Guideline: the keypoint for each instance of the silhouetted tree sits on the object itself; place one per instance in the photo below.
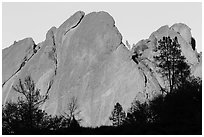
(74, 123)
(25, 113)
(181, 110)
(138, 114)
(72, 107)
(32, 99)
(10, 118)
(69, 117)
(53, 123)
(117, 115)
(15, 118)
(171, 63)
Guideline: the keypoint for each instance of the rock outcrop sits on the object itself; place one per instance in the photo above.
(85, 58)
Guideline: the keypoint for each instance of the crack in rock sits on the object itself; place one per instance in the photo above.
(25, 60)
(74, 25)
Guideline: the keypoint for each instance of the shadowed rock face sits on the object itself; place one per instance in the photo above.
(85, 58)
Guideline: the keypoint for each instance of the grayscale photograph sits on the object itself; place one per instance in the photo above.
(101, 68)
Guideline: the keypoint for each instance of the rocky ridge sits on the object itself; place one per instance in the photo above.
(85, 58)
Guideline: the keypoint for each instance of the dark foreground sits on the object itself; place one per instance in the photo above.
(177, 113)
(106, 130)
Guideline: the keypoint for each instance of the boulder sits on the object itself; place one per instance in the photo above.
(183, 30)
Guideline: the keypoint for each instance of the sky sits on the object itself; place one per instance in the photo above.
(135, 21)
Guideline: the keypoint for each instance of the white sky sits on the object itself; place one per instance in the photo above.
(135, 21)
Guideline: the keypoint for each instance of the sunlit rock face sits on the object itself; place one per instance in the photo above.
(144, 50)
(85, 58)
(14, 56)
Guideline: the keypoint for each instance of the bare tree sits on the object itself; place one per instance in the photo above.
(31, 93)
(33, 99)
(73, 110)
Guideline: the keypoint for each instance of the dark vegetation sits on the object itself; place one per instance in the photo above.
(176, 111)
(171, 62)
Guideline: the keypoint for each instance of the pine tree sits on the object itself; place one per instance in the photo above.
(117, 115)
(170, 62)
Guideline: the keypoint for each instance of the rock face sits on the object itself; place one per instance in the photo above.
(85, 58)
(15, 57)
(143, 50)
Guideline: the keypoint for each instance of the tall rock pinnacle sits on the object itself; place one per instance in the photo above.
(85, 58)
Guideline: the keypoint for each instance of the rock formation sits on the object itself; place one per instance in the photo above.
(85, 58)
(143, 50)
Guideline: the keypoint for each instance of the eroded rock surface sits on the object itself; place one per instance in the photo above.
(85, 58)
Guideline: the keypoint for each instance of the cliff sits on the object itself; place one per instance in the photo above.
(85, 58)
